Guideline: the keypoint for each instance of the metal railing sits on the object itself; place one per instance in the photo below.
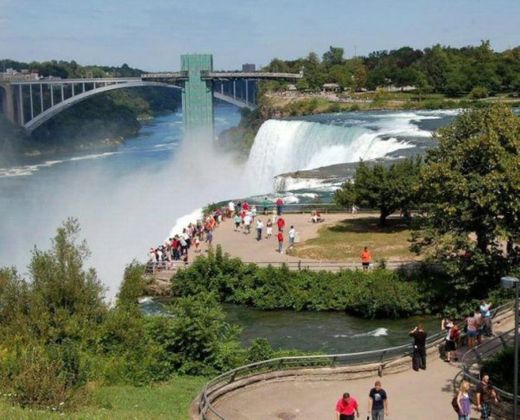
(381, 356)
(472, 364)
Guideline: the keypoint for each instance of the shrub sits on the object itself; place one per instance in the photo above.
(380, 293)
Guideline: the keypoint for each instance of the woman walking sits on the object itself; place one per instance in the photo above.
(463, 401)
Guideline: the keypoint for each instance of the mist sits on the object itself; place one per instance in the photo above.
(121, 212)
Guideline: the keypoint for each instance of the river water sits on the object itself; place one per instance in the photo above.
(128, 199)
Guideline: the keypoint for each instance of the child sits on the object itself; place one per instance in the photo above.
(269, 227)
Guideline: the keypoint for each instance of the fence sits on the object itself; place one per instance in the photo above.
(213, 389)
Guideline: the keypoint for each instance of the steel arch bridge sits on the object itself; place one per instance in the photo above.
(30, 103)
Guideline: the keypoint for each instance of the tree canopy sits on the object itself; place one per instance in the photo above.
(384, 187)
(470, 185)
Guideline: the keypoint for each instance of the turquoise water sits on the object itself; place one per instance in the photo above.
(326, 332)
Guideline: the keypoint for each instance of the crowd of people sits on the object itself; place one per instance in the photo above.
(245, 216)
(476, 325)
(177, 248)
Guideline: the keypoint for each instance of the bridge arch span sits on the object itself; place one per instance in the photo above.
(67, 103)
(46, 115)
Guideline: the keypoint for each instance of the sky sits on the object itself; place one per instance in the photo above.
(152, 34)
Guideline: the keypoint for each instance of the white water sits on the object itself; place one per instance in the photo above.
(288, 146)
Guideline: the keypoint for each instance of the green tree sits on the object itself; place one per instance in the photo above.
(333, 56)
(471, 184)
(382, 187)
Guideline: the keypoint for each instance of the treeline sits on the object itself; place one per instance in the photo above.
(476, 70)
(70, 69)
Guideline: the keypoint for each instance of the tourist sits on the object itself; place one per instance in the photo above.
(269, 229)
(259, 229)
(238, 220)
(463, 401)
(471, 329)
(366, 258)
(480, 324)
(231, 209)
(419, 348)
(280, 223)
(292, 236)
(280, 242)
(377, 402)
(253, 212)
(450, 341)
(354, 210)
(316, 217)
(197, 244)
(346, 408)
(265, 205)
(209, 238)
(486, 317)
(485, 396)
(279, 207)
(247, 223)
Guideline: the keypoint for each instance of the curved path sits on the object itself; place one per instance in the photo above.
(412, 395)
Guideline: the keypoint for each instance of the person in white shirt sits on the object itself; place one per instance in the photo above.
(292, 236)
(259, 229)
(247, 223)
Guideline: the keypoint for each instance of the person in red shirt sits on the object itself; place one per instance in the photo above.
(281, 224)
(346, 408)
(366, 258)
(280, 242)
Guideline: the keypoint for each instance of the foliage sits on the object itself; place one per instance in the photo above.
(439, 69)
(499, 367)
(133, 284)
(386, 188)
(380, 293)
(470, 189)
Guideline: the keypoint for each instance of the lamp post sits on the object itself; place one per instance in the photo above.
(508, 283)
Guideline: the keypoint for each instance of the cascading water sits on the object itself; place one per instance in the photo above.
(287, 146)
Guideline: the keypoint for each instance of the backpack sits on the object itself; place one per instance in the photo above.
(454, 333)
(455, 405)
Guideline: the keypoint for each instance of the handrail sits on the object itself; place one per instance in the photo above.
(381, 355)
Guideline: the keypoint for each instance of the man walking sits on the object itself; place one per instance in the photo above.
(419, 348)
(259, 229)
(377, 402)
(485, 396)
(346, 407)
(280, 242)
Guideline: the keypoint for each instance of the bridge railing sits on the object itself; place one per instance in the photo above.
(214, 388)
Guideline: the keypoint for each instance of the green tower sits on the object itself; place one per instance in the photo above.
(197, 96)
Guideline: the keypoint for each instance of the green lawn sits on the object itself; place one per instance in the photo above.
(169, 400)
(345, 240)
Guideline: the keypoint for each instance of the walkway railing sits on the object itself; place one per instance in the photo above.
(472, 364)
(213, 388)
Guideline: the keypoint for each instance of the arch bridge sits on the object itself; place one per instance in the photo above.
(30, 103)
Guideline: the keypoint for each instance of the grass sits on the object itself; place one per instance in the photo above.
(170, 400)
(345, 240)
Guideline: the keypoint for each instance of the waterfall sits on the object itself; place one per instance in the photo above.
(288, 146)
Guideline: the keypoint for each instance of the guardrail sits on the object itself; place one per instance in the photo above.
(213, 388)
(472, 362)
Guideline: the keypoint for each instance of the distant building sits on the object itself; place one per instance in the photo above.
(11, 74)
(248, 67)
(331, 87)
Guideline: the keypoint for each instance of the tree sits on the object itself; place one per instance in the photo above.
(333, 56)
(471, 183)
(386, 188)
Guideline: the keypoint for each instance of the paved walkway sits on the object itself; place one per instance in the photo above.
(248, 249)
(422, 395)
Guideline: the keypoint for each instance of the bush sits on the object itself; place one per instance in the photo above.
(479, 92)
(379, 293)
(499, 369)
